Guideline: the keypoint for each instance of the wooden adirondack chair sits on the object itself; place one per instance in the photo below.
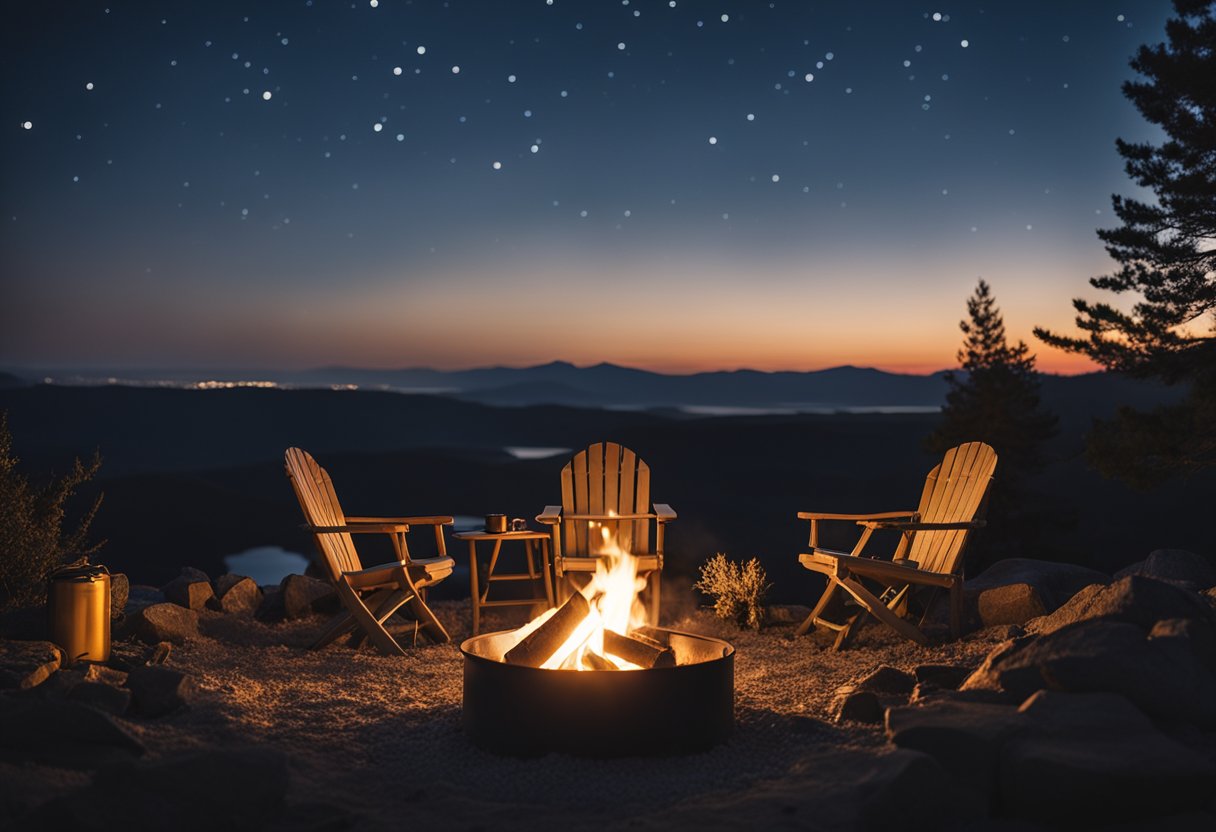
(373, 594)
(606, 484)
(930, 551)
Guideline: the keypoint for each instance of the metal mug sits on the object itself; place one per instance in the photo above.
(496, 523)
(519, 524)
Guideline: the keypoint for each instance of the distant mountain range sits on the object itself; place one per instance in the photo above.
(609, 385)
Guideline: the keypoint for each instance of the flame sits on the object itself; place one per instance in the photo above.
(612, 594)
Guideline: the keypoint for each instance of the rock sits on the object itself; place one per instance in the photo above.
(140, 595)
(120, 589)
(303, 596)
(238, 789)
(1197, 636)
(190, 573)
(1176, 566)
(1010, 604)
(164, 622)
(60, 733)
(965, 737)
(1055, 582)
(781, 614)
(188, 592)
(852, 705)
(271, 608)
(158, 690)
(1160, 676)
(1134, 599)
(237, 595)
(27, 664)
(941, 675)
(108, 698)
(1094, 757)
(889, 680)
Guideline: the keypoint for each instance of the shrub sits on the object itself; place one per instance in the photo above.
(738, 590)
(33, 537)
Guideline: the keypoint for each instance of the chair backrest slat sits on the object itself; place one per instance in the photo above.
(954, 492)
(319, 502)
(606, 477)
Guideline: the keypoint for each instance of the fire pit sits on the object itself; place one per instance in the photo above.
(591, 678)
(512, 709)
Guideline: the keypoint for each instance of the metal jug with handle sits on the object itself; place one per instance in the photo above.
(78, 606)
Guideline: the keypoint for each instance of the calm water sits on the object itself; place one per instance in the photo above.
(266, 564)
(528, 452)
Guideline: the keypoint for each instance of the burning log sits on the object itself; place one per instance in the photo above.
(543, 642)
(639, 649)
(594, 661)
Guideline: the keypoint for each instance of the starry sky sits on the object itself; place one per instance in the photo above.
(672, 185)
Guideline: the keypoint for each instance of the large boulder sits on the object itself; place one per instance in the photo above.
(1176, 566)
(164, 622)
(1134, 599)
(236, 595)
(1015, 590)
(1161, 676)
(1094, 758)
(965, 737)
(27, 664)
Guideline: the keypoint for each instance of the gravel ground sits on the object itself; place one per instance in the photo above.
(383, 735)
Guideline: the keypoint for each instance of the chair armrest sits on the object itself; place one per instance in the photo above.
(552, 515)
(820, 515)
(361, 528)
(436, 520)
(922, 527)
(664, 513)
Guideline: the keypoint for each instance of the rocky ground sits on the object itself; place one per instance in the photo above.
(1079, 700)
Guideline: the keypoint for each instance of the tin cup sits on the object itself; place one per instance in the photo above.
(496, 523)
(519, 524)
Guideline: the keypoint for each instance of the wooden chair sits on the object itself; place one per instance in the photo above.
(373, 594)
(930, 551)
(606, 484)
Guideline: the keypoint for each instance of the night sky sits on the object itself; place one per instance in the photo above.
(678, 186)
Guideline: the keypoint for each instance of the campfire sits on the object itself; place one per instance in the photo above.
(594, 677)
(601, 627)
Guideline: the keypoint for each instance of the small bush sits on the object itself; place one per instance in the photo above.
(33, 540)
(738, 590)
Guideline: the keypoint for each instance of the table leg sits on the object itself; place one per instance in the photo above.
(474, 594)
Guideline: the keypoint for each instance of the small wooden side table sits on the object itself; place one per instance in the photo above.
(480, 597)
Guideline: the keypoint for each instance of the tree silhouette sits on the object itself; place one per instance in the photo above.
(995, 399)
(1167, 255)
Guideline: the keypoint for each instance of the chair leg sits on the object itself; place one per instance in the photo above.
(372, 628)
(656, 585)
(845, 634)
(424, 616)
(338, 626)
(879, 610)
(956, 610)
(820, 606)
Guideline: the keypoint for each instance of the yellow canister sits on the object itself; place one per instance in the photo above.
(78, 604)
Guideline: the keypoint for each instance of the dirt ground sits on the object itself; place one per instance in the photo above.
(383, 735)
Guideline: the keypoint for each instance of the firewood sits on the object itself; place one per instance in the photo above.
(541, 643)
(594, 661)
(639, 649)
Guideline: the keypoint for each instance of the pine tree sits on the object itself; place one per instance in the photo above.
(1167, 257)
(995, 399)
